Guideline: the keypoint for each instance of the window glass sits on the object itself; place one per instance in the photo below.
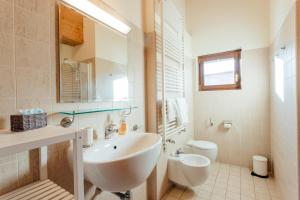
(279, 78)
(219, 72)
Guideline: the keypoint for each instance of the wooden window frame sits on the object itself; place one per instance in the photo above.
(236, 54)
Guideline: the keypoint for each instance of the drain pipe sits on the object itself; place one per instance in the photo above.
(123, 196)
(97, 192)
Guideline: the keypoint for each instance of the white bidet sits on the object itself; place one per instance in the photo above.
(188, 170)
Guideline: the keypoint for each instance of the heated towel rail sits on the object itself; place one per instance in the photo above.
(170, 76)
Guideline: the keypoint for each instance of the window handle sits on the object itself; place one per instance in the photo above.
(237, 78)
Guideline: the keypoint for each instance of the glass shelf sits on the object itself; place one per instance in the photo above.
(97, 110)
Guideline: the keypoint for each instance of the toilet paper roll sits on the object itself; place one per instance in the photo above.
(88, 137)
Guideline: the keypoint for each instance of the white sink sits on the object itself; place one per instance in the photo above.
(122, 162)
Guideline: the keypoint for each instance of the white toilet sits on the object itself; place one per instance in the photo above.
(201, 147)
(188, 170)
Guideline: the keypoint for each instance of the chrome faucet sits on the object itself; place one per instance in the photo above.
(109, 130)
(169, 140)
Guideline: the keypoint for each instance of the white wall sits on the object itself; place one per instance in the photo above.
(84, 51)
(248, 109)
(181, 6)
(278, 12)
(87, 49)
(284, 127)
(284, 139)
(226, 25)
(130, 9)
(110, 45)
(218, 26)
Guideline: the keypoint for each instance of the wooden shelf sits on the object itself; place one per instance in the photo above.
(40, 190)
(11, 142)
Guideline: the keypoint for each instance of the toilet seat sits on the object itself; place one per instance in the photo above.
(201, 144)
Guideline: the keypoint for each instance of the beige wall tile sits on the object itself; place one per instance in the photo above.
(6, 17)
(248, 109)
(6, 49)
(36, 6)
(7, 84)
(32, 26)
(54, 72)
(7, 107)
(33, 83)
(30, 53)
(53, 23)
(41, 102)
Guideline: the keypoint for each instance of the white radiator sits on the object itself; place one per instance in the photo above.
(170, 64)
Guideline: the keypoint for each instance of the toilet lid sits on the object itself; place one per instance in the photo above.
(201, 144)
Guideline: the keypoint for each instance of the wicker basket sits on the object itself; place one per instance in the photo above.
(20, 123)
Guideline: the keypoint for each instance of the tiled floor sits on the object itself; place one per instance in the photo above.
(228, 182)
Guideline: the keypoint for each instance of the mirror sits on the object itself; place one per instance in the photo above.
(93, 59)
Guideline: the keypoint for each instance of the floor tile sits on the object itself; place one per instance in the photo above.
(219, 191)
(228, 182)
(262, 197)
(233, 196)
(247, 198)
(217, 197)
(204, 194)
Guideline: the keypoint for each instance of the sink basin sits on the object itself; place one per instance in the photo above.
(122, 162)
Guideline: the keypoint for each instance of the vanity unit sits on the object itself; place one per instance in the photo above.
(11, 143)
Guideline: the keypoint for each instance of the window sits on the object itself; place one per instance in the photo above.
(279, 77)
(220, 71)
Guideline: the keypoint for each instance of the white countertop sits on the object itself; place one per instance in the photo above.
(14, 142)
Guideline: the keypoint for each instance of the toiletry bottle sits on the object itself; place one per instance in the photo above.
(123, 126)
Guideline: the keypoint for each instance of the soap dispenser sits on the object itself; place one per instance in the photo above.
(123, 125)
